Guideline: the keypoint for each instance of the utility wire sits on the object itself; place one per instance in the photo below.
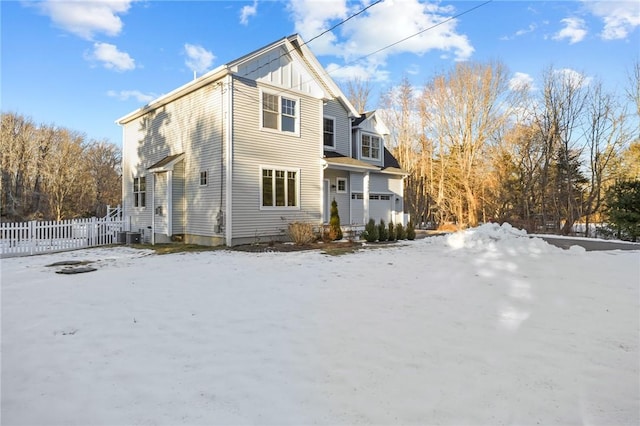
(413, 35)
(321, 34)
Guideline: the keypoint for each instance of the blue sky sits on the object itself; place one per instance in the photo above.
(83, 64)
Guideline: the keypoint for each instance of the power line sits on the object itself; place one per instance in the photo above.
(413, 35)
(321, 34)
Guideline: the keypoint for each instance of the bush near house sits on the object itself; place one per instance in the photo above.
(400, 233)
(301, 233)
(411, 231)
(383, 234)
(392, 232)
(370, 233)
(335, 231)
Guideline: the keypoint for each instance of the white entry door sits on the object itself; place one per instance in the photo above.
(161, 205)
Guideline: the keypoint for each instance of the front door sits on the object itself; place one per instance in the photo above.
(160, 208)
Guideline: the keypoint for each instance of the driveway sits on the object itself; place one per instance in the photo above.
(588, 244)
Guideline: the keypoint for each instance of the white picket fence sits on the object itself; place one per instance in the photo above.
(36, 237)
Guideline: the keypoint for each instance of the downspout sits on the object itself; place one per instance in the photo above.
(229, 161)
(365, 196)
(153, 208)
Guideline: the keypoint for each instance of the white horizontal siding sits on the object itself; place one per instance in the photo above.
(253, 148)
(334, 109)
(191, 124)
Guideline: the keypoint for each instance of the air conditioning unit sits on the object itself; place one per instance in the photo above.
(121, 237)
(133, 238)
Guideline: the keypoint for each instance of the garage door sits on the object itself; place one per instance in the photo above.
(380, 207)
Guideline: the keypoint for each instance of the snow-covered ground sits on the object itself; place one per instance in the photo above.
(481, 327)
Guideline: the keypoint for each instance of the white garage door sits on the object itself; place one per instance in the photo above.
(380, 207)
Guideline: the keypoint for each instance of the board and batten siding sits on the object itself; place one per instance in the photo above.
(334, 109)
(253, 148)
(191, 125)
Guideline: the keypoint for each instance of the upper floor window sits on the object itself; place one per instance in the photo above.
(280, 188)
(329, 132)
(371, 146)
(203, 178)
(140, 191)
(279, 113)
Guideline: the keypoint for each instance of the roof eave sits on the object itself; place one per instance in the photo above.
(183, 90)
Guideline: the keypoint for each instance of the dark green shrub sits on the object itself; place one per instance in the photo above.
(370, 232)
(392, 232)
(411, 231)
(383, 234)
(400, 234)
(335, 232)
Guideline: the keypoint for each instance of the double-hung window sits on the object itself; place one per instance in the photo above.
(280, 188)
(203, 178)
(371, 147)
(329, 132)
(280, 113)
(139, 192)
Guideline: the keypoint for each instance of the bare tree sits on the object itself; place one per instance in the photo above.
(103, 164)
(466, 107)
(358, 92)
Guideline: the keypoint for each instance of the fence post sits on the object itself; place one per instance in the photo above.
(32, 237)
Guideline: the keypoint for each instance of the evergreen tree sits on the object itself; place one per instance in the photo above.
(392, 232)
(335, 231)
(400, 234)
(383, 235)
(370, 231)
(411, 231)
(623, 206)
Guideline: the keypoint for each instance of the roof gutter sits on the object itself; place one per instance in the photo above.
(208, 78)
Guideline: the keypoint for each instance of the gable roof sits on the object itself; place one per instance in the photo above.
(293, 45)
(166, 163)
(376, 122)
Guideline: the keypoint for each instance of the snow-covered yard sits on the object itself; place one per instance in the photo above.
(482, 327)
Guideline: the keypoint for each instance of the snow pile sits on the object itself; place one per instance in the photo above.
(486, 326)
(495, 238)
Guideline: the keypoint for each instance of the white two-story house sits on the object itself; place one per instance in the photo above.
(251, 146)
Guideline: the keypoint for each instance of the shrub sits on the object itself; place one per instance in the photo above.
(400, 234)
(411, 231)
(383, 234)
(370, 232)
(392, 232)
(335, 232)
(301, 233)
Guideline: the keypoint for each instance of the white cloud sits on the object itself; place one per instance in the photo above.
(574, 78)
(86, 18)
(620, 17)
(574, 30)
(248, 11)
(351, 72)
(198, 59)
(125, 95)
(111, 57)
(380, 26)
(521, 81)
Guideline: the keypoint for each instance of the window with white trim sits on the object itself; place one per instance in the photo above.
(203, 178)
(356, 196)
(279, 188)
(371, 146)
(341, 185)
(280, 113)
(329, 133)
(140, 191)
